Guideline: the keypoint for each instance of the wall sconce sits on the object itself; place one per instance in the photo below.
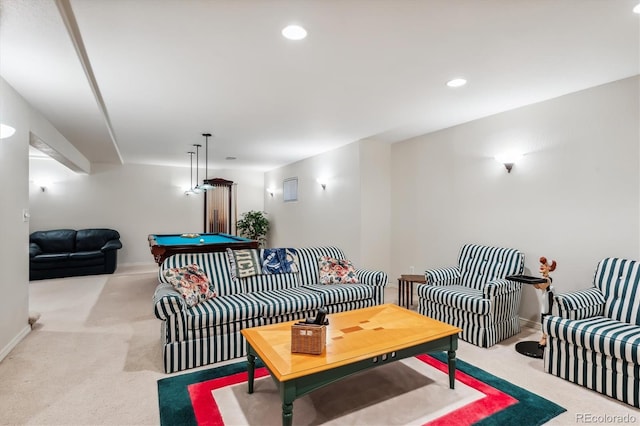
(270, 191)
(6, 131)
(508, 160)
(322, 182)
(43, 184)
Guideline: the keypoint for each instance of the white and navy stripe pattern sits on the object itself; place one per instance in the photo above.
(210, 331)
(443, 276)
(217, 344)
(281, 302)
(595, 342)
(269, 282)
(619, 279)
(222, 310)
(336, 294)
(580, 304)
(474, 295)
(481, 264)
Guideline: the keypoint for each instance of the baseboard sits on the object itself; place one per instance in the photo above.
(531, 324)
(14, 342)
(136, 268)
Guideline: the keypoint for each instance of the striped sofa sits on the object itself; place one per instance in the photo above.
(594, 340)
(475, 295)
(210, 331)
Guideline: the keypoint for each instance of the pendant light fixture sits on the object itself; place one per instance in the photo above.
(206, 186)
(197, 189)
(190, 190)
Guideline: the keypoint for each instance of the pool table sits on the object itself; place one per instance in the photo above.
(163, 246)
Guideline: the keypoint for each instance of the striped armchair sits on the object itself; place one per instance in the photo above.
(594, 341)
(209, 332)
(475, 295)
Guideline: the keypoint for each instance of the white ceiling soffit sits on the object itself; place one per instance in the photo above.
(170, 70)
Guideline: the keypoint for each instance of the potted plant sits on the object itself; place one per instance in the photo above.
(254, 225)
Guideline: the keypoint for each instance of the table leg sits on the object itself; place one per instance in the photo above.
(400, 293)
(251, 367)
(411, 293)
(452, 368)
(407, 296)
(287, 394)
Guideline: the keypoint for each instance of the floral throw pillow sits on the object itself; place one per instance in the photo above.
(191, 282)
(336, 271)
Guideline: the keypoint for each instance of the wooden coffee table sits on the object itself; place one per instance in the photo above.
(356, 340)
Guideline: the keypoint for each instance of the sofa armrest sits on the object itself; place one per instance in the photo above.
(111, 245)
(443, 276)
(376, 278)
(580, 304)
(498, 287)
(167, 302)
(34, 250)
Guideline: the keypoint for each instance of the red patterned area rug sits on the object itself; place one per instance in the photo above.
(411, 391)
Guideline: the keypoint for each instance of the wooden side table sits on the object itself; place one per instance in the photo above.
(405, 288)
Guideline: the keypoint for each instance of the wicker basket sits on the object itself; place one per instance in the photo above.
(308, 338)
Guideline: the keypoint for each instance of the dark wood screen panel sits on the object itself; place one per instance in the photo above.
(220, 214)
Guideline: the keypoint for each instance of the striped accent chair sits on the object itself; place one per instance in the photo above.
(594, 340)
(475, 295)
(209, 332)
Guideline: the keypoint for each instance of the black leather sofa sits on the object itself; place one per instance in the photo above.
(66, 252)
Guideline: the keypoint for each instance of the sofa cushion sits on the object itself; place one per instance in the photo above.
(286, 301)
(94, 239)
(191, 282)
(480, 264)
(336, 271)
(456, 296)
(87, 255)
(269, 282)
(619, 281)
(55, 240)
(599, 334)
(50, 257)
(222, 310)
(334, 294)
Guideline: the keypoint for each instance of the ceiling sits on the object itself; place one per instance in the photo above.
(139, 81)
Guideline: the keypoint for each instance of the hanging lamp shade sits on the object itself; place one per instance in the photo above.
(197, 189)
(206, 186)
(190, 190)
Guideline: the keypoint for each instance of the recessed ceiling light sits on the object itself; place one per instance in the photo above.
(637, 8)
(456, 82)
(294, 32)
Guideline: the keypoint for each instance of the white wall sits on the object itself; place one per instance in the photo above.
(319, 217)
(574, 197)
(351, 213)
(136, 200)
(14, 230)
(375, 205)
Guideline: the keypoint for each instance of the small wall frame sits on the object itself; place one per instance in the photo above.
(290, 189)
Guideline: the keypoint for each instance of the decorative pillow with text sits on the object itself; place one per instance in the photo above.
(244, 263)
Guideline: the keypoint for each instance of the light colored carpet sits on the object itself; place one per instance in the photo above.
(94, 357)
